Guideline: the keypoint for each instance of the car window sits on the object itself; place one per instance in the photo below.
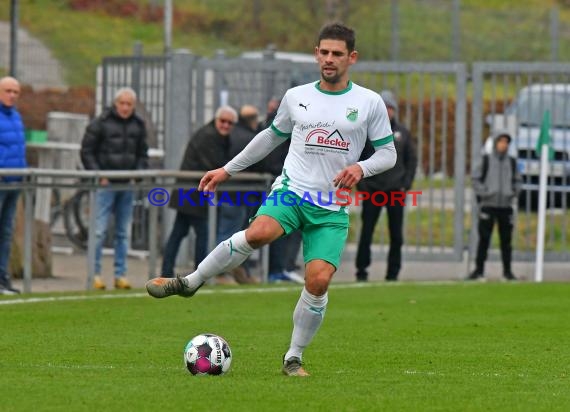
(530, 108)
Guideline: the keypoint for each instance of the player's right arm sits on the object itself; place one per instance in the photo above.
(260, 146)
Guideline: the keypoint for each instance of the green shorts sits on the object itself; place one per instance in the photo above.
(324, 231)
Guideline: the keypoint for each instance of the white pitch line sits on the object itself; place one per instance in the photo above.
(247, 290)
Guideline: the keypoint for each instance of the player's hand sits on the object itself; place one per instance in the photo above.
(211, 179)
(348, 177)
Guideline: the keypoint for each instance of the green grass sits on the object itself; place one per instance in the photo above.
(406, 347)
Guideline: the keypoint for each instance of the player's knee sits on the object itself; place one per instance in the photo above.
(259, 236)
(317, 283)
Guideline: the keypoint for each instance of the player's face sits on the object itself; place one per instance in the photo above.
(334, 60)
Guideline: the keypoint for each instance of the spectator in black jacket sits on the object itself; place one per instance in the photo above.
(207, 149)
(397, 179)
(234, 216)
(116, 140)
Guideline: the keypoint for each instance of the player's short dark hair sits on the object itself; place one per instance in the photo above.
(338, 31)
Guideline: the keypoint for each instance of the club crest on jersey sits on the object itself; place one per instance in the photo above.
(351, 114)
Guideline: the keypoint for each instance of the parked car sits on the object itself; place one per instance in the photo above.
(523, 119)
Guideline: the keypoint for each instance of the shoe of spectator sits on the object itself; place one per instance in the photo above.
(242, 277)
(509, 276)
(224, 279)
(8, 290)
(98, 283)
(476, 275)
(278, 277)
(294, 277)
(361, 276)
(122, 283)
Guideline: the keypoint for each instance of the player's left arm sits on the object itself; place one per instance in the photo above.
(384, 156)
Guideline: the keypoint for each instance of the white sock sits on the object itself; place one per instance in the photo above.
(227, 255)
(307, 319)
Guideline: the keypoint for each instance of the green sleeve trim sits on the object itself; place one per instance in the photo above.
(382, 142)
(279, 132)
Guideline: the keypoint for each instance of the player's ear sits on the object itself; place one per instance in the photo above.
(316, 53)
(353, 57)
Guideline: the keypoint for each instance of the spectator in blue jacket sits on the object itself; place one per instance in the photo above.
(13, 156)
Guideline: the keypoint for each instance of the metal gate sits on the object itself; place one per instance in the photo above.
(146, 75)
(515, 96)
(432, 97)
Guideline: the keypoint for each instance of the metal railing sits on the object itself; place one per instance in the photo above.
(34, 179)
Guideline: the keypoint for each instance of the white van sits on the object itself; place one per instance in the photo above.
(523, 119)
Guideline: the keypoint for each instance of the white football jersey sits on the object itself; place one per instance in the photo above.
(328, 131)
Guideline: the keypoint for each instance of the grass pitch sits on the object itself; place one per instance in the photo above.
(416, 347)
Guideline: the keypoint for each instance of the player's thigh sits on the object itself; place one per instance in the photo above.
(325, 242)
(285, 211)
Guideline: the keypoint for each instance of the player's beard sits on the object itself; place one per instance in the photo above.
(332, 79)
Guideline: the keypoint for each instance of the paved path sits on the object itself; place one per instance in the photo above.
(70, 272)
(36, 65)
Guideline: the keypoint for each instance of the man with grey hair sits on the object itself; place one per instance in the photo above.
(13, 150)
(116, 140)
(208, 148)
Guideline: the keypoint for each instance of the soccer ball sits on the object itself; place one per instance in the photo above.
(207, 354)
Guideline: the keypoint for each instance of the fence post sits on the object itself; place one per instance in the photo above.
(14, 38)
(554, 33)
(28, 234)
(460, 157)
(178, 120)
(92, 235)
(395, 31)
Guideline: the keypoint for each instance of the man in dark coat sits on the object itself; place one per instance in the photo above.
(207, 149)
(116, 140)
(397, 179)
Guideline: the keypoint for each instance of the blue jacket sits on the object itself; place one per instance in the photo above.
(12, 142)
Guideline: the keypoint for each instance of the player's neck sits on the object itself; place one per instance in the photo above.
(334, 87)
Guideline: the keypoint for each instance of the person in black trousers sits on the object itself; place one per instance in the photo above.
(496, 183)
(397, 179)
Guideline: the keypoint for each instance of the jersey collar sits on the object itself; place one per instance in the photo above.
(343, 91)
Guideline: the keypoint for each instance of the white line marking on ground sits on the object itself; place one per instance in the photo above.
(245, 290)
(90, 367)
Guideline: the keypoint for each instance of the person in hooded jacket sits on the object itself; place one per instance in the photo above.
(496, 183)
(115, 140)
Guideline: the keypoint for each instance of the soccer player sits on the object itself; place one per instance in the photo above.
(328, 122)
